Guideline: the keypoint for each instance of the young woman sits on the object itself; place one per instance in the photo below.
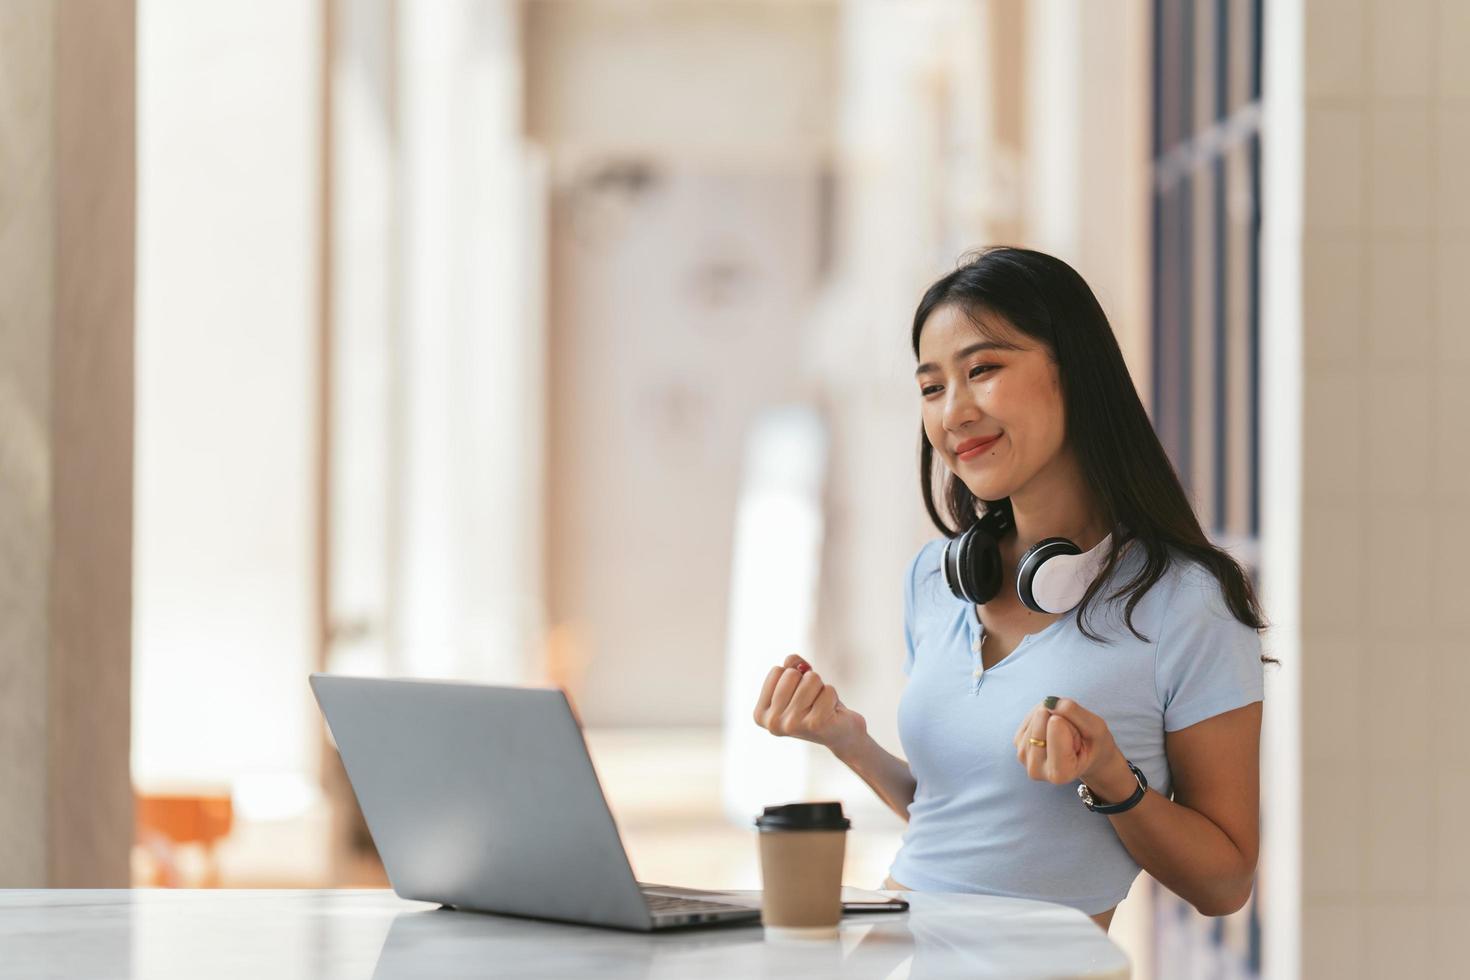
(1150, 673)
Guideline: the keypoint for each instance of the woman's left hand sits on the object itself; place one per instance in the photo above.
(1079, 744)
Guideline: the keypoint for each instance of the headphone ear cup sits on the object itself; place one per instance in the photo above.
(951, 564)
(949, 567)
(979, 564)
(1062, 592)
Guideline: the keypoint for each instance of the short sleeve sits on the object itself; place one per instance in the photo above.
(1207, 661)
(909, 575)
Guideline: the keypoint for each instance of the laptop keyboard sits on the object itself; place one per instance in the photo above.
(662, 904)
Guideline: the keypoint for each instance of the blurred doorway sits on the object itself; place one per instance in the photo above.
(676, 308)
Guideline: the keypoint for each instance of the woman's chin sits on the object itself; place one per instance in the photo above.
(988, 489)
(988, 480)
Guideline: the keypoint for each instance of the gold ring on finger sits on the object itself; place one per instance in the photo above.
(1037, 741)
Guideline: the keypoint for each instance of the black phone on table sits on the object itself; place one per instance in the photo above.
(862, 900)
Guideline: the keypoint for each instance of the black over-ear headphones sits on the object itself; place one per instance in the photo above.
(1051, 577)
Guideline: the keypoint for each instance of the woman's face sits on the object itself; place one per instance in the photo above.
(993, 393)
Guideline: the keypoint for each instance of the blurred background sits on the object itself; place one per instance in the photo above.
(565, 342)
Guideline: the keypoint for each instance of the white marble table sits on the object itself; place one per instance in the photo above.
(283, 935)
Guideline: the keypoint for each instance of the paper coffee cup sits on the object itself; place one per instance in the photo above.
(802, 847)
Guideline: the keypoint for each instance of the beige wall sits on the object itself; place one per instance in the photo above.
(1385, 493)
(66, 388)
(730, 84)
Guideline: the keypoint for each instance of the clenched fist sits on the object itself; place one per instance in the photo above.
(1075, 744)
(795, 702)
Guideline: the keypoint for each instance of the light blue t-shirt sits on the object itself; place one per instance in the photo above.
(978, 822)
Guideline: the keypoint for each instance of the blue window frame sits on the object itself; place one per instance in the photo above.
(1205, 261)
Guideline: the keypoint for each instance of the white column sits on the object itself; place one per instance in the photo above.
(1282, 172)
(1054, 52)
(226, 367)
(467, 600)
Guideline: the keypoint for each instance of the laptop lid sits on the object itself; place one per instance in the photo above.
(482, 798)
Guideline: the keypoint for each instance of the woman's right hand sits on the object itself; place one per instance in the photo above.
(795, 702)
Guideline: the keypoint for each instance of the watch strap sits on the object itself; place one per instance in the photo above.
(1111, 808)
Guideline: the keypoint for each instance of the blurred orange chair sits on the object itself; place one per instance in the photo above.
(167, 820)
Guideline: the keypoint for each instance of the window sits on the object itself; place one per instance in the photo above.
(1206, 233)
(1206, 332)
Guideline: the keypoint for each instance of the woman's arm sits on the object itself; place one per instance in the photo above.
(794, 701)
(1203, 844)
(887, 774)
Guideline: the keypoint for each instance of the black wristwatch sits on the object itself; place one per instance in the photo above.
(1107, 808)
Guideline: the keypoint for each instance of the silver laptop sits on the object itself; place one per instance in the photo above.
(485, 798)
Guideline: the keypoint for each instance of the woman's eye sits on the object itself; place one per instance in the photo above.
(975, 372)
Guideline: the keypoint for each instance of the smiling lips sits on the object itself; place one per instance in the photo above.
(971, 448)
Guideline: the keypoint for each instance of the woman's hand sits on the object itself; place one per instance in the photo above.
(795, 702)
(1079, 745)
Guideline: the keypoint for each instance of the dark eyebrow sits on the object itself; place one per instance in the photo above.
(973, 348)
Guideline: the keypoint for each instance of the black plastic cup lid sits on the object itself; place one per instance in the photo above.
(803, 816)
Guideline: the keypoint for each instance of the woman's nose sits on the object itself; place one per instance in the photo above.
(960, 408)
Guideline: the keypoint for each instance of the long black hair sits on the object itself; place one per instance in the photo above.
(1125, 466)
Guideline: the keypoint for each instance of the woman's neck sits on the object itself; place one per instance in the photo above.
(1057, 503)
